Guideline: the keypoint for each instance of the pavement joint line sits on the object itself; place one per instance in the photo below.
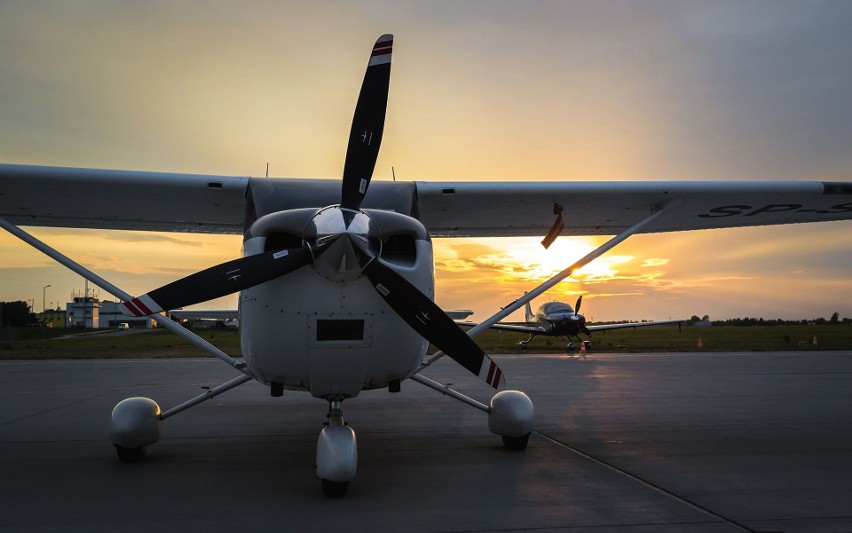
(52, 409)
(645, 482)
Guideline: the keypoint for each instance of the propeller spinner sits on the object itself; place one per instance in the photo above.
(344, 231)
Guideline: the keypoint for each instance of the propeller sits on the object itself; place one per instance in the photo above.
(368, 122)
(429, 320)
(347, 239)
(221, 280)
(581, 320)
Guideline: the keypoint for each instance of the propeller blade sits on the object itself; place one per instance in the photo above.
(430, 321)
(220, 280)
(579, 302)
(365, 138)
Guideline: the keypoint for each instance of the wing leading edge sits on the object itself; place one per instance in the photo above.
(118, 199)
(491, 209)
(538, 330)
(158, 201)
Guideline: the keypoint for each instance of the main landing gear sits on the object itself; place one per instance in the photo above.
(512, 416)
(523, 344)
(510, 412)
(135, 424)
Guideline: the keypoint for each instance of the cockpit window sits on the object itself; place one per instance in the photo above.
(558, 307)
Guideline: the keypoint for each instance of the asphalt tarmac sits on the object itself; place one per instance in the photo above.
(626, 443)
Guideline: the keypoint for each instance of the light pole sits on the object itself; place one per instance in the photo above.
(43, 292)
(43, 315)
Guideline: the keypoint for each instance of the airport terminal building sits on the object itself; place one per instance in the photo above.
(88, 312)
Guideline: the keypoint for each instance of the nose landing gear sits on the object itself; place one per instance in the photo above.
(337, 453)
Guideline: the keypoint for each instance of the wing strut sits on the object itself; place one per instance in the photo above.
(529, 296)
(443, 389)
(207, 395)
(164, 321)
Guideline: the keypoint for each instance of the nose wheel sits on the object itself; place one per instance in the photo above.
(337, 453)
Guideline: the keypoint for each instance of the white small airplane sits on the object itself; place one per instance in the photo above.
(558, 319)
(336, 285)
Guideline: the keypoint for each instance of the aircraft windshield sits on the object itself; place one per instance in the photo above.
(557, 307)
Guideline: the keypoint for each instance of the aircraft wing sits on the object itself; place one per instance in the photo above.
(488, 209)
(114, 199)
(507, 327)
(159, 201)
(210, 314)
(606, 327)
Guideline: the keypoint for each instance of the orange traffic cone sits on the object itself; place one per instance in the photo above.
(814, 342)
(700, 344)
(582, 348)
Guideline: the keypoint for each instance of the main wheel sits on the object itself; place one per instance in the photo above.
(130, 455)
(334, 489)
(516, 443)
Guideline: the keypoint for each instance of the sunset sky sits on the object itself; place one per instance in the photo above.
(480, 90)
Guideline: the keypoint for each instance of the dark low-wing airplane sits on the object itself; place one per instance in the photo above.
(558, 319)
(336, 279)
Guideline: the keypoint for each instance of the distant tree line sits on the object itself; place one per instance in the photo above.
(834, 320)
(16, 314)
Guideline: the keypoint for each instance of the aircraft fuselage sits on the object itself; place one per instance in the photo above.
(560, 320)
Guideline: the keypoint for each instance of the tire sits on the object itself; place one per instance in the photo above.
(516, 443)
(334, 489)
(130, 455)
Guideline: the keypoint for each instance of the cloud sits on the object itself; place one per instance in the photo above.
(654, 262)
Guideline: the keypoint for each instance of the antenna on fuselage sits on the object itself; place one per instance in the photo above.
(393, 173)
(267, 169)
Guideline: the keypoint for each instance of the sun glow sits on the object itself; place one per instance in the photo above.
(490, 274)
(524, 259)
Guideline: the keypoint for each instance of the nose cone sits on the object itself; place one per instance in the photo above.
(355, 229)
